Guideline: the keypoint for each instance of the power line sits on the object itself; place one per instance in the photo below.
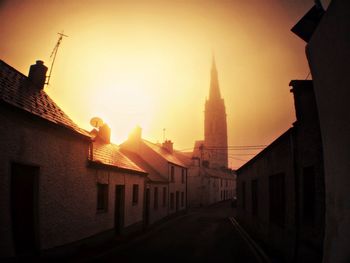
(230, 147)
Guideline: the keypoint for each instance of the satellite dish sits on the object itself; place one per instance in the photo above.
(96, 122)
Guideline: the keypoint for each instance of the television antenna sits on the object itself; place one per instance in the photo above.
(54, 53)
(96, 122)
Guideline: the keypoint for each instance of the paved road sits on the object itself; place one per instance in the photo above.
(204, 234)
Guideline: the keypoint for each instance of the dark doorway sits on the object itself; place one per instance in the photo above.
(24, 208)
(119, 208)
(177, 200)
(147, 205)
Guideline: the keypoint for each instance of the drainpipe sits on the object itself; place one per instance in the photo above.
(294, 148)
(169, 168)
(186, 190)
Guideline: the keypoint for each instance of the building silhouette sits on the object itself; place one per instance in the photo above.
(61, 187)
(215, 126)
(209, 179)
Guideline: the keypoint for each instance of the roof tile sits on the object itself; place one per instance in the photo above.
(16, 90)
(109, 154)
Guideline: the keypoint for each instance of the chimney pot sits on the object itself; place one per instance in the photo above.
(136, 134)
(168, 145)
(104, 133)
(37, 74)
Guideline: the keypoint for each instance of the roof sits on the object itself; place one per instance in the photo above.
(164, 153)
(197, 146)
(308, 23)
(261, 154)
(16, 90)
(153, 174)
(109, 154)
(218, 173)
(184, 157)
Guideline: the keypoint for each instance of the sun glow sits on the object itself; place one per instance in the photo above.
(147, 63)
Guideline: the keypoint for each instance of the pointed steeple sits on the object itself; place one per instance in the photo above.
(215, 125)
(214, 92)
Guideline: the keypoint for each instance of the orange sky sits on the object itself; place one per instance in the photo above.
(148, 63)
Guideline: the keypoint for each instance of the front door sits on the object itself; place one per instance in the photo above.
(24, 208)
(177, 200)
(119, 208)
(147, 206)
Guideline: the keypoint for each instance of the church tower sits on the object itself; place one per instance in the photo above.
(215, 126)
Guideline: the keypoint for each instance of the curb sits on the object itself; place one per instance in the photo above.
(255, 248)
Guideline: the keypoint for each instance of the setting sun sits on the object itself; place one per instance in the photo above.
(148, 64)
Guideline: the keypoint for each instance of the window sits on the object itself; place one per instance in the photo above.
(277, 199)
(308, 195)
(183, 176)
(135, 194)
(102, 197)
(155, 197)
(172, 201)
(172, 178)
(243, 195)
(226, 182)
(164, 196)
(221, 182)
(182, 199)
(255, 197)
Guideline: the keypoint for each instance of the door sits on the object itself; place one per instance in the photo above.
(24, 208)
(119, 208)
(177, 200)
(147, 206)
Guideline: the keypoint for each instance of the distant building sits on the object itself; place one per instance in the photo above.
(215, 126)
(166, 183)
(209, 179)
(57, 186)
(120, 184)
(281, 198)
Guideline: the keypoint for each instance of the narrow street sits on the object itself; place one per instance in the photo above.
(203, 234)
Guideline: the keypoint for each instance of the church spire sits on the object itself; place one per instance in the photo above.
(214, 92)
(215, 126)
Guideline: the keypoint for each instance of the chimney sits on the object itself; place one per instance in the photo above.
(168, 145)
(136, 134)
(104, 133)
(37, 74)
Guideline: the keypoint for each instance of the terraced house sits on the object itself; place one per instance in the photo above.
(59, 184)
(166, 185)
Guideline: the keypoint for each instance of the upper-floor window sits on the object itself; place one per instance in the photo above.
(172, 174)
(183, 175)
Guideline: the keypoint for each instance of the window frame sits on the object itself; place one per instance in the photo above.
(102, 197)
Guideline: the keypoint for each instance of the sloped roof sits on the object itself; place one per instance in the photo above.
(16, 90)
(153, 174)
(184, 157)
(218, 173)
(110, 154)
(164, 153)
(196, 148)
